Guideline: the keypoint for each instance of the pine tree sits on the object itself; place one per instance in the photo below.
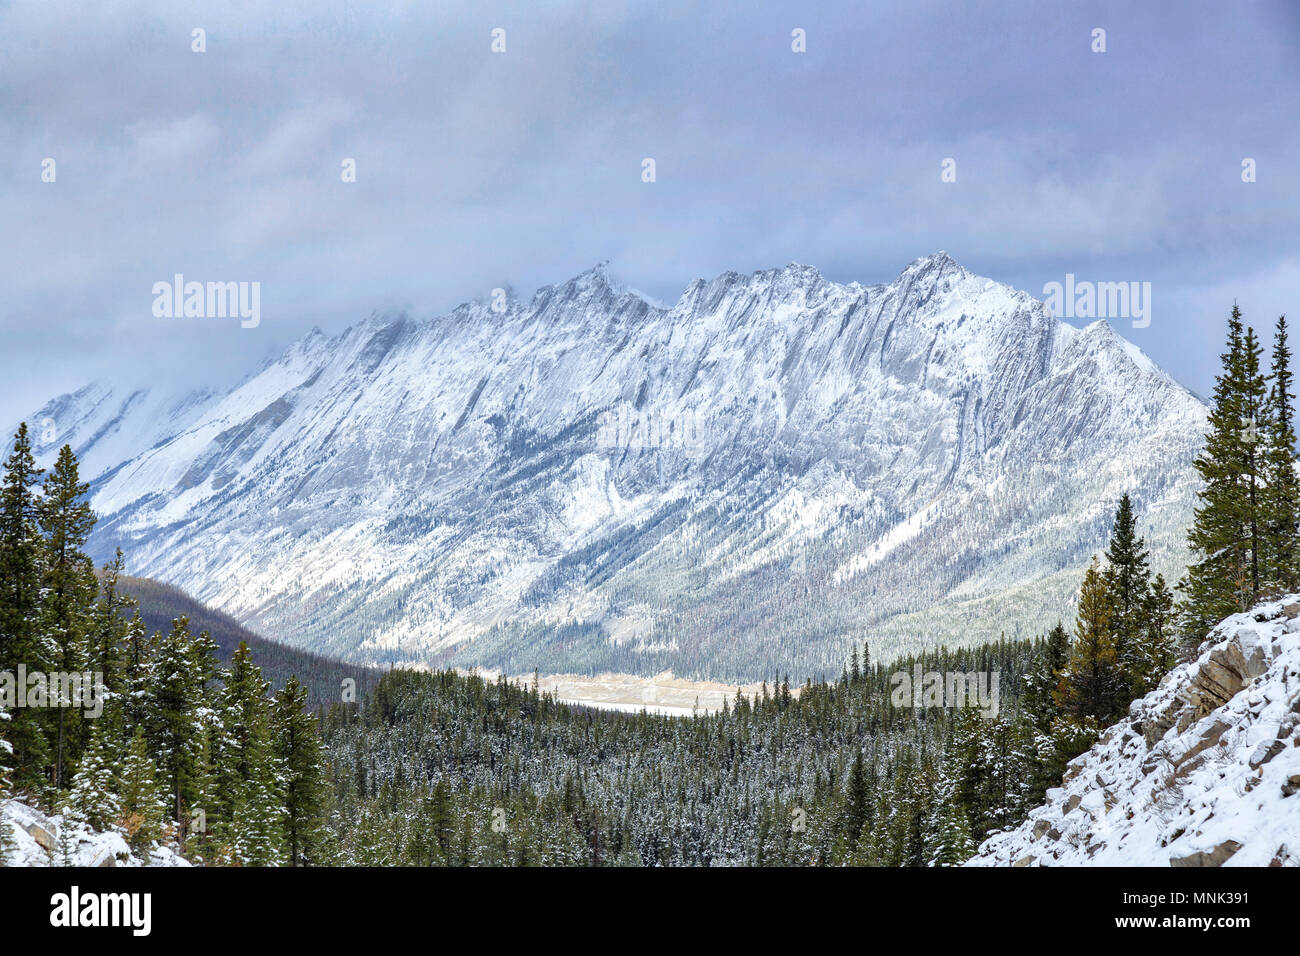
(298, 748)
(68, 589)
(143, 806)
(93, 797)
(21, 643)
(1225, 537)
(1092, 684)
(248, 767)
(1282, 488)
(1043, 678)
(172, 697)
(1128, 583)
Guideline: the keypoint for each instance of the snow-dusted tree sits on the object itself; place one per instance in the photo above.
(297, 748)
(143, 805)
(248, 768)
(949, 842)
(68, 588)
(1282, 491)
(108, 641)
(21, 642)
(172, 696)
(94, 798)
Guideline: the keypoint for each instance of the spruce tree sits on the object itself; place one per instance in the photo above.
(1043, 678)
(172, 699)
(963, 758)
(1282, 488)
(1158, 653)
(93, 797)
(68, 589)
(21, 642)
(298, 749)
(143, 806)
(1256, 416)
(248, 768)
(137, 673)
(951, 844)
(108, 641)
(1227, 531)
(201, 841)
(1128, 583)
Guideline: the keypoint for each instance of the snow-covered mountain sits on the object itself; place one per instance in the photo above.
(1205, 770)
(775, 466)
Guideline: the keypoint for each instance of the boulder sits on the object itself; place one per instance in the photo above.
(1227, 670)
(1208, 739)
(1215, 857)
(1265, 752)
(43, 837)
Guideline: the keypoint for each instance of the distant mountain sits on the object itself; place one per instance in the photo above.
(744, 483)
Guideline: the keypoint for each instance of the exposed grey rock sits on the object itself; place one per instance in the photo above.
(1214, 857)
(471, 470)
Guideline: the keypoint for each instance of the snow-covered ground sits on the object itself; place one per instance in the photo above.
(40, 840)
(1205, 770)
(661, 694)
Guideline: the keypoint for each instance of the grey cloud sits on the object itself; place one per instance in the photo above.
(477, 170)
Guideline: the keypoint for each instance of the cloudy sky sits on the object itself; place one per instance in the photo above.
(478, 169)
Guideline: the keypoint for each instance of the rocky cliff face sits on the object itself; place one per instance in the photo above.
(1205, 771)
(774, 468)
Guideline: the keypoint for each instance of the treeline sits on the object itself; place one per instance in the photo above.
(163, 743)
(444, 769)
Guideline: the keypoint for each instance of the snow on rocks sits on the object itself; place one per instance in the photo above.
(1205, 770)
(444, 489)
(40, 840)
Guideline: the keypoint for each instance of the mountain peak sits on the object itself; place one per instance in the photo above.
(937, 264)
(588, 446)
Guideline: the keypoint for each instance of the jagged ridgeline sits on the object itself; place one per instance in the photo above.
(751, 480)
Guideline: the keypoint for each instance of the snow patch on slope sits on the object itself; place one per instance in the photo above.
(1205, 770)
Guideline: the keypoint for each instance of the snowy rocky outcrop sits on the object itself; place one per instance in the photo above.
(1205, 770)
(39, 839)
(741, 483)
